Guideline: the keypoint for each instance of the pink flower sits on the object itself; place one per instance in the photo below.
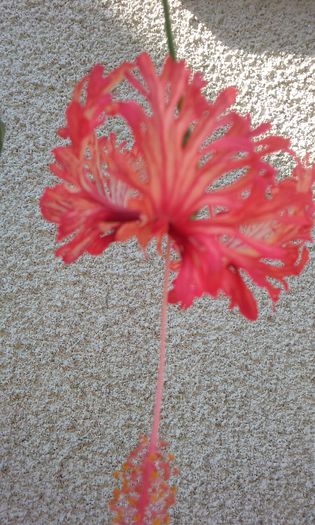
(196, 171)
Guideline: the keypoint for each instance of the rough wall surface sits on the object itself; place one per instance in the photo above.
(79, 342)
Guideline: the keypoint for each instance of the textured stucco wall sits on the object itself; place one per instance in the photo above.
(79, 343)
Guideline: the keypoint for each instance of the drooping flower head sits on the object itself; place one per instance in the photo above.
(196, 171)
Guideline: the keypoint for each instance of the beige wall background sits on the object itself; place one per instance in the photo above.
(79, 342)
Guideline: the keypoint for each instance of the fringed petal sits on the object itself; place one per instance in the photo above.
(195, 170)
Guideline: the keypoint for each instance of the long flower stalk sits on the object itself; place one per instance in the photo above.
(163, 337)
(168, 29)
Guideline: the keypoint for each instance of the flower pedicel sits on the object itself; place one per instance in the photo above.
(188, 155)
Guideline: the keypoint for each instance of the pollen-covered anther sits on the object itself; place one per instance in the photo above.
(145, 495)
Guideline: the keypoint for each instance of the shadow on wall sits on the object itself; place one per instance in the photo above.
(259, 26)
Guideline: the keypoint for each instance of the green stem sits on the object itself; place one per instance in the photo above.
(2, 133)
(168, 29)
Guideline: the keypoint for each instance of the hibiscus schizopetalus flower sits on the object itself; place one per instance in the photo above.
(188, 155)
(198, 173)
